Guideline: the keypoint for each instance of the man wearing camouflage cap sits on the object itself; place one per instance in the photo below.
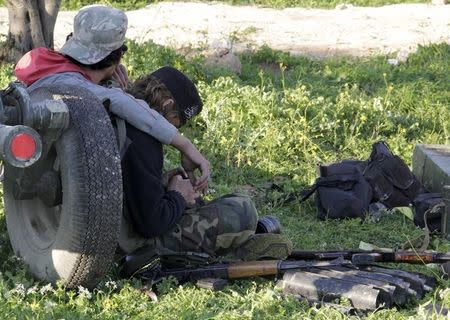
(98, 31)
(92, 55)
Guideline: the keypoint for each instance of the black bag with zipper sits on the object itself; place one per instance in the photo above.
(341, 190)
(346, 189)
(392, 182)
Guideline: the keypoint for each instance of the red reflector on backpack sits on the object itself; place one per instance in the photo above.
(23, 146)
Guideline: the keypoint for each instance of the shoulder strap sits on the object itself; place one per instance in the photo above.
(120, 128)
(380, 149)
(121, 135)
(425, 242)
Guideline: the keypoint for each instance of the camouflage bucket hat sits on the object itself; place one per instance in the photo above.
(97, 31)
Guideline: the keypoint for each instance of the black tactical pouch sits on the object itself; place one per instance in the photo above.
(391, 180)
(342, 191)
(429, 207)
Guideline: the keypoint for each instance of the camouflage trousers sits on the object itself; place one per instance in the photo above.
(215, 228)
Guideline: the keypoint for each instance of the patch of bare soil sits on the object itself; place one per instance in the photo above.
(346, 30)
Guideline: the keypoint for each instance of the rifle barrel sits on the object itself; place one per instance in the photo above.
(400, 256)
(368, 257)
(322, 255)
(442, 257)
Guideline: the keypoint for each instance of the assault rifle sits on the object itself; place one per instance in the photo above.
(362, 257)
(155, 271)
(367, 287)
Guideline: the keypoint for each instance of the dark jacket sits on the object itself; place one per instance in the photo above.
(152, 209)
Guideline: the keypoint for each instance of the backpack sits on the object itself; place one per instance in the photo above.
(341, 190)
(346, 189)
(392, 182)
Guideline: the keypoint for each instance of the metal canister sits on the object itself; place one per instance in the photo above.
(446, 214)
(268, 224)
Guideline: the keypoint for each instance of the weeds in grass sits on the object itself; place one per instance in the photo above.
(327, 4)
(279, 118)
(136, 4)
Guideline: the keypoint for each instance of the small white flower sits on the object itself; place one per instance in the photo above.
(48, 304)
(141, 307)
(84, 293)
(45, 289)
(19, 290)
(16, 259)
(377, 104)
(111, 285)
(444, 293)
(32, 289)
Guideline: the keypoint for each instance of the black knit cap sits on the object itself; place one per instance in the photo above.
(183, 91)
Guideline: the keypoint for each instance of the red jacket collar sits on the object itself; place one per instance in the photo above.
(41, 62)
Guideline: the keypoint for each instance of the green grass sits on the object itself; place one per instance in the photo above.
(329, 4)
(278, 119)
(124, 5)
(326, 4)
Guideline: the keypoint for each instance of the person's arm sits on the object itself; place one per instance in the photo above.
(137, 113)
(140, 115)
(192, 159)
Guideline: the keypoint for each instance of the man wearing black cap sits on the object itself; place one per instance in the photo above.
(163, 214)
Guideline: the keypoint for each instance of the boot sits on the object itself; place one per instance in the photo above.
(264, 246)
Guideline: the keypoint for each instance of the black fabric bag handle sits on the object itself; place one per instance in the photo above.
(330, 181)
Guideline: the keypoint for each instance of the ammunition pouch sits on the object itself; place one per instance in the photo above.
(342, 191)
(392, 182)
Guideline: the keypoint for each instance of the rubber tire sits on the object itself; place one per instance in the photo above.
(76, 241)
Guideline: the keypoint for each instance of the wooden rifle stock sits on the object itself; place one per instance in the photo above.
(253, 269)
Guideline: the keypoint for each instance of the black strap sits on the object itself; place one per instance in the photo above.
(306, 193)
(330, 181)
(334, 181)
(121, 134)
